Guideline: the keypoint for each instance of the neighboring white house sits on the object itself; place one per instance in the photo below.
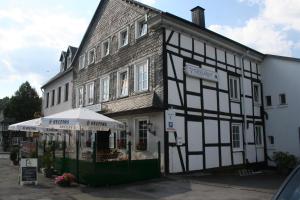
(281, 101)
(57, 92)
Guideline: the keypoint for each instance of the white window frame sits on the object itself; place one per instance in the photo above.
(256, 128)
(102, 48)
(80, 97)
(119, 84)
(101, 88)
(89, 99)
(267, 101)
(120, 37)
(232, 95)
(258, 101)
(119, 134)
(136, 76)
(240, 137)
(91, 60)
(82, 61)
(112, 140)
(280, 103)
(136, 133)
(137, 27)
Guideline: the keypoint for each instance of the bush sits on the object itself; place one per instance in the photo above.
(285, 162)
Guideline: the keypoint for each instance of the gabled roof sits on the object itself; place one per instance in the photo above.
(283, 57)
(99, 8)
(57, 76)
(62, 56)
(72, 50)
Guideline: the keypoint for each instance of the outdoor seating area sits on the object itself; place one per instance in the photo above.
(78, 142)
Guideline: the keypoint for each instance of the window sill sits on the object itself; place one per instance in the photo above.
(122, 97)
(282, 106)
(235, 100)
(123, 47)
(141, 37)
(237, 150)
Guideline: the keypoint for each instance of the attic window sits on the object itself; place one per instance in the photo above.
(123, 38)
(141, 28)
(91, 56)
(81, 61)
(105, 48)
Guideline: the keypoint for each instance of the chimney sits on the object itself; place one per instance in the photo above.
(198, 16)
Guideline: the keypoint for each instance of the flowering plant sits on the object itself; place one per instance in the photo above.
(65, 180)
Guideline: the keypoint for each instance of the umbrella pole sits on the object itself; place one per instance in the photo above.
(77, 156)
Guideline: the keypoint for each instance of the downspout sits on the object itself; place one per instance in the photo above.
(244, 107)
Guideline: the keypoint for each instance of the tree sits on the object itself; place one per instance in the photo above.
(23, 104)
(3, 103)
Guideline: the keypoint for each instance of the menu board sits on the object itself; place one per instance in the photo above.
(28, 171)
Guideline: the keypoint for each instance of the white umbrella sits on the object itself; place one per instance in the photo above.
(81, 119)
(33, 125)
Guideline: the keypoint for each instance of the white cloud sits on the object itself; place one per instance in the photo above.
(267, 32)
(148, 2)
(32, 28)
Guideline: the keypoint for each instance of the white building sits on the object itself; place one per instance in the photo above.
(281, 101)
(57, 92)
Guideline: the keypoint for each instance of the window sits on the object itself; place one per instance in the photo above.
(112, 137)
(237, 139)
(141, 28)
(271, 140)
(256, 93)
(123, 38)
(282, 99)
(105, 48)
(91, 56)
(59, 95)
(47, 100)
(142, 135)
(81, 61)
(234, 88)
(104, 89)
(80, 96)
(141, 76)
(90, 93)
(122, 141)
(53, 97)
(259, 141)
(122, 83)
(268, 100)
(66, 91)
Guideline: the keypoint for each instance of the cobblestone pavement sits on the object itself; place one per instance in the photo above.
(174, 187)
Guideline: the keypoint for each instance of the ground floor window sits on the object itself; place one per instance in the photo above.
(237, 139)
(122, 139)
(142, 135)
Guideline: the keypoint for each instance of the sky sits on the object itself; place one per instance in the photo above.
(33, 32)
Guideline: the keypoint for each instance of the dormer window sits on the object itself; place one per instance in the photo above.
(141, 28)
(123, 38)
(91, 56)
(105, 48)
(69, 60)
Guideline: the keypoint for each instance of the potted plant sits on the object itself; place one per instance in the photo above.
(48, 164)
(65, 180)
(14, 156)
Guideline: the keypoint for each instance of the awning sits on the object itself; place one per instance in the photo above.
(33, 125)
(81, 119)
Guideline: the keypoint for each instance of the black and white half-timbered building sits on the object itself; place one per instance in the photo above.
(151, 70)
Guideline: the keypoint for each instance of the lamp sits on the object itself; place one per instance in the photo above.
(151, 128)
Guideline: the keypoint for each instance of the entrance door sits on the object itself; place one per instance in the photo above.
(102, 140)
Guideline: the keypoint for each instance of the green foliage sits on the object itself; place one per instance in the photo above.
(24, 104)
(3, 103)
(47, 159)
(285, 161)
(14, 154)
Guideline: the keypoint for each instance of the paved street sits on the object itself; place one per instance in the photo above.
(174, 187)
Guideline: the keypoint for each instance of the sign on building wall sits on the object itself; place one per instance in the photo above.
(170, 120)
(28, 171)
(195, 71)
